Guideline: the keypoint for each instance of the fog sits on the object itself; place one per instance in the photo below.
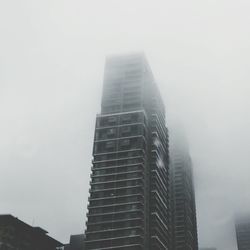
(52, 56)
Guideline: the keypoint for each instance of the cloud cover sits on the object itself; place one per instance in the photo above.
(52, 55)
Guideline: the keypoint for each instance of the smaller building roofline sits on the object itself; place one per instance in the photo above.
(37, 230)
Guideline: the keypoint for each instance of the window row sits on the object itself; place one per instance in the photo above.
(117, 208)
(118, 192)
(116, 200)
(123, 131)
(115, 216)
(117, 177)
(110, 157)
(114, 234)
(137, 241)
(114, 169)
(115, 225)
(113, 185)
(105, 121)
(119, 145)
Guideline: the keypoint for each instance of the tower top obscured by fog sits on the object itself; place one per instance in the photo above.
(129, 206)
(183, 194)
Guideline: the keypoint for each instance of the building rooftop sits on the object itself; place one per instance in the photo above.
(8, 219)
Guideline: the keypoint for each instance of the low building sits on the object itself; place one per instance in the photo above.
(17, 235)
(76, 242)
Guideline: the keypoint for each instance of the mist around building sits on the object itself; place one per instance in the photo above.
(142, 191)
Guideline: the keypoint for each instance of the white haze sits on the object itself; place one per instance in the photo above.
(52, 55)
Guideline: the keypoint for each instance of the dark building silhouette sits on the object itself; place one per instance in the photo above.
(182, 194)
(242, 227)
(17, 235)
(76, 242)
(129, 195)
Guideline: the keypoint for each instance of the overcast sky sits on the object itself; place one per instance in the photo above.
(52, 55)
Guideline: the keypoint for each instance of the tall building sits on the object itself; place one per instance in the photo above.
(182, 194)
(17, 235)
(242, 227)
(129, 195)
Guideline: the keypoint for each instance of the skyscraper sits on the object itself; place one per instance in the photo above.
(129, 195)
(182, 194)
(242, 227)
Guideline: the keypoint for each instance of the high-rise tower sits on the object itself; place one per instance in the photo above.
(182, 194)
(129, 195)
(242, 227)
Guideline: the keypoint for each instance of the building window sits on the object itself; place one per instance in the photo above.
(125, 142)
(110, 144)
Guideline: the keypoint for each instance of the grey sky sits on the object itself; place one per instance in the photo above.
(52, 55)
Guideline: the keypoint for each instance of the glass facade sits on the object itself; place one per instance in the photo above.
(183, 196)
(129, 196)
